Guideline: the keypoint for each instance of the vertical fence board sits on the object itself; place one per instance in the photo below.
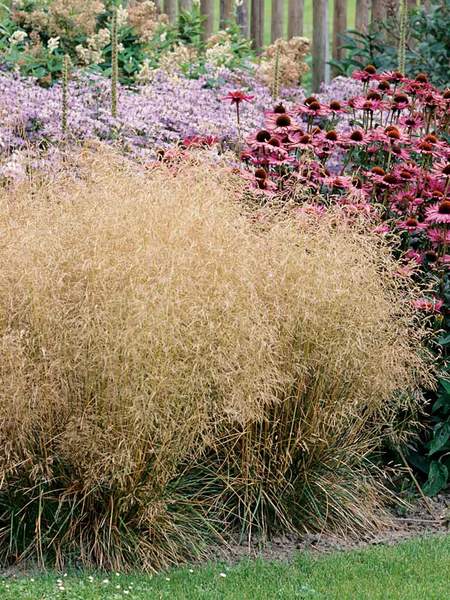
(362, 15)
(378, 12)
(242, 17)
(185, 5)
(295, 17)
(339, 27)
(226, 12)
(170, 8)
(277, 19)
(320, 42)
(257, 24)
(206, 8)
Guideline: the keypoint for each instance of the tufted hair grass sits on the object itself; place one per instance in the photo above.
(171, 370)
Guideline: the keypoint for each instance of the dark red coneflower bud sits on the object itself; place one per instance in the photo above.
(411, 222)
(393, 134)
(425, 146)
(305, 139)
(401, 98)
(274, 142)
(430, 256)
(356, 136)
(396, 77)
(263, 136)
(432, 139)
(310, 99)
(262, 183)
(260, 173)
(390, 178)
(444, 207)
(396, 149)
(367, 106)
(335, 105)
(370, 69)
(422, 78)
(372, 95)
(446, 169)
(331, 135)
(279, 108)
(283, 121)
(405, 175)
(384, 85)
(314, 105)
(437, 194)
(378, 171)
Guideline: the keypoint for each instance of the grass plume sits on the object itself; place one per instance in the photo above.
(169, 368)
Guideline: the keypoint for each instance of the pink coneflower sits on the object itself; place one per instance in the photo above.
(429, 305)
(439, 236)
(279, 122)
(394, 77)
(413, 255)
(338, 182)
(236, 98)
(304, 140)
(400, 101)
(367, 74)
(357, 137)
(381, 229)
(370, 105)
(312, 109)
(439, 213)
(199, 141)
(402, 201)
(384, 86)
(412, 122)
(411, 225)
(258, 139)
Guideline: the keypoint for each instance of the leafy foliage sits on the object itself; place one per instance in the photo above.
(428, 49)
(37, 48)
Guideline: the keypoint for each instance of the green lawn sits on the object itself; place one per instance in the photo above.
(412, 570)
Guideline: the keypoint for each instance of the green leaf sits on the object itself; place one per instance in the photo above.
(441, 435)
(437, 479)
(444, 340)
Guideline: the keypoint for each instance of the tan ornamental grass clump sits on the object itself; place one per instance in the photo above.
(170, 370)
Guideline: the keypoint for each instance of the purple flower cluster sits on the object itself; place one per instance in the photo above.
(149, 117)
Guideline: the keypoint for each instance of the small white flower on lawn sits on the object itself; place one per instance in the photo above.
(105, 581)
(222, 575)
(167, 578)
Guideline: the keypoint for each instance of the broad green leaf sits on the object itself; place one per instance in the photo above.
(441, 435)
(437, 479)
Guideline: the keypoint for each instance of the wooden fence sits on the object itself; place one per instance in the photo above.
(249, 14)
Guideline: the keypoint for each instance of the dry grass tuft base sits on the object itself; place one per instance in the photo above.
(168, 368)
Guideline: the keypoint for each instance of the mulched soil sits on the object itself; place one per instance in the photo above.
(419, 518)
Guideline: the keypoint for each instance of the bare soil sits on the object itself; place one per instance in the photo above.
(419, 518)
